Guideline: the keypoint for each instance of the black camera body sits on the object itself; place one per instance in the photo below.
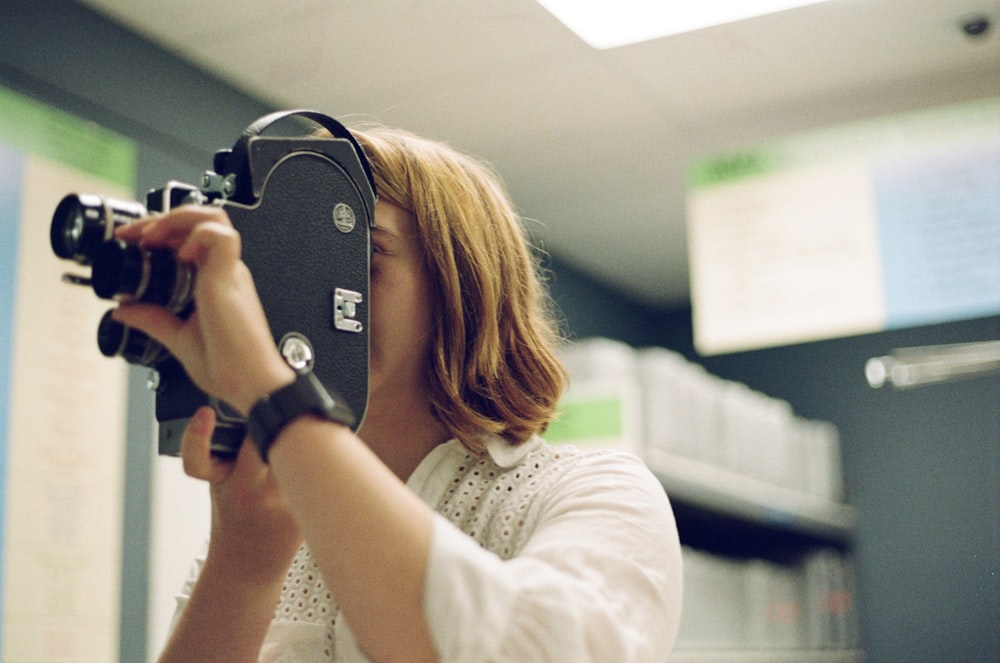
(304, 207)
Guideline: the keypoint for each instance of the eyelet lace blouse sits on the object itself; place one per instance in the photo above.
(539, 553)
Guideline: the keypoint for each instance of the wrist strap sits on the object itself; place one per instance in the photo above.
(305, 395)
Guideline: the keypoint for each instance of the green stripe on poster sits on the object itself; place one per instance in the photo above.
(48, 132)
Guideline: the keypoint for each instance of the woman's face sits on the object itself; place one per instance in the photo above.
(401, 329)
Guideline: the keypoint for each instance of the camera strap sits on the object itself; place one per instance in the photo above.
(236, 161)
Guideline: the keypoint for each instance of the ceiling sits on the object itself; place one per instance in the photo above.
(594, 145)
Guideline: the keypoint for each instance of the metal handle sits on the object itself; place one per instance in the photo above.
(912, 367)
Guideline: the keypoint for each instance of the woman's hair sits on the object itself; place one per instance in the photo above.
(493, 359)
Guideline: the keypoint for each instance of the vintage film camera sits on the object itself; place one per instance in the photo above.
(304, 206)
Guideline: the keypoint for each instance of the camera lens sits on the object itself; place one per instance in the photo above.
(77, 228)
(117, 271)
(82, 222)
(115, 339)
(126, 272)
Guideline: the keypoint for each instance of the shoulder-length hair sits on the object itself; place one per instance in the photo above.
(493, 363)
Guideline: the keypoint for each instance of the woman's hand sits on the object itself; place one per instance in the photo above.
(254, 538)
(227, 349)
(367, 531)
(253, 530)
(226, 345)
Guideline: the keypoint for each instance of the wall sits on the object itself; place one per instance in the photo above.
(923, 466)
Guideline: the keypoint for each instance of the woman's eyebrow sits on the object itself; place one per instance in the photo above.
(387, 239)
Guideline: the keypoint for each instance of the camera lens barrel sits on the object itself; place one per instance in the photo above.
(83, 222)
(117, 340)
(82, 230)
(128, 273)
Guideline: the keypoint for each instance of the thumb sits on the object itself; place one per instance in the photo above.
(196, 451)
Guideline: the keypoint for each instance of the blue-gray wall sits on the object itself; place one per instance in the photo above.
(923, 466)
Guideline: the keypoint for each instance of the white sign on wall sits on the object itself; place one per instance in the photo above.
(62, 404)
(849, 230)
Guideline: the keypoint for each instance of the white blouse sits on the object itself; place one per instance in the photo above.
(539, 553)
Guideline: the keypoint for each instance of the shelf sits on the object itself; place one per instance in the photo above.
(768, 656)
(730, 494)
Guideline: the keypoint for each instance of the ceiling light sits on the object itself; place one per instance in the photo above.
(611, 23)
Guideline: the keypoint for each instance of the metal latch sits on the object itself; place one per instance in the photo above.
(345, 308)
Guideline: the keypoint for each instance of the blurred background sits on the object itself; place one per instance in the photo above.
(597, 147)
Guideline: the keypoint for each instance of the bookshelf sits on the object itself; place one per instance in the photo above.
(758, 496)
(734, 496)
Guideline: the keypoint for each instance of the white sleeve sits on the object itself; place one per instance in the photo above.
(182, 597)
(599, 579)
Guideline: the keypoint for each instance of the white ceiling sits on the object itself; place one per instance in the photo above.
(594, 145)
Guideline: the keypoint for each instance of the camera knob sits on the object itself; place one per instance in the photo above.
(298, 352)
(976, 27)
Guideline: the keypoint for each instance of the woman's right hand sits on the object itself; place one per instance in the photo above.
(227, 349)
(225, 345)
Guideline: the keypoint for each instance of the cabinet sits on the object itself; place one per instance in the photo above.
(757, 493)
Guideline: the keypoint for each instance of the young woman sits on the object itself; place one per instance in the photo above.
(445, 529)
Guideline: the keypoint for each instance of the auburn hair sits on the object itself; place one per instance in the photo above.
(493, 363)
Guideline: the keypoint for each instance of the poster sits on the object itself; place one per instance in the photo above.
(62, 404)
(848, 230)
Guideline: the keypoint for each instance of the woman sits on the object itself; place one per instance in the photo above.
(445, 529)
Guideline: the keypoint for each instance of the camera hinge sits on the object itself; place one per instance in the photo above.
(216, 185)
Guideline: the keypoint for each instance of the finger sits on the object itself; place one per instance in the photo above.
(211, 245)
(196, 448)
(154, 321)
(132, 232)
(171, 229)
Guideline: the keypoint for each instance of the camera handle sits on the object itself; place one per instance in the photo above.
(236, 162)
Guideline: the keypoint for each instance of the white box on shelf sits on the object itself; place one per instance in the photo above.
(821, 444)
(714, 610)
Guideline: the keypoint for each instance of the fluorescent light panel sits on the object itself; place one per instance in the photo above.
(610, 23)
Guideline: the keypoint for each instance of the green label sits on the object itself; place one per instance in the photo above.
(965, 123)
(730, 167)
(583, 419)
